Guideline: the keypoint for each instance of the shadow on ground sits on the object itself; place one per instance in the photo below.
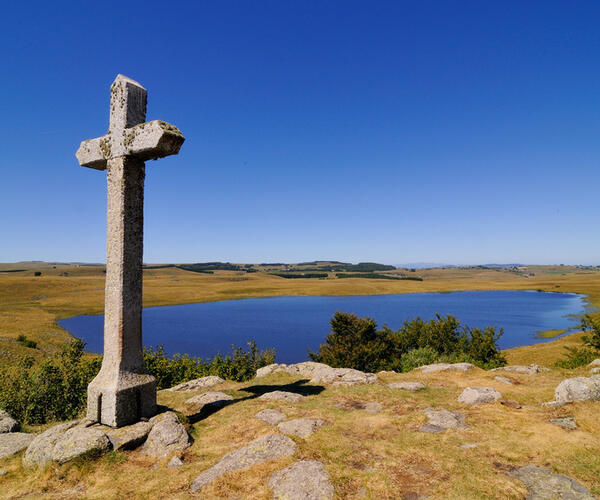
(297, 387)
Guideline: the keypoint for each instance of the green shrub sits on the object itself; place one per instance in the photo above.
(357, 343)
(576, 357)
(23, 340)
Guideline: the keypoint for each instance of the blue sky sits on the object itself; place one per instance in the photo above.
(455, 132)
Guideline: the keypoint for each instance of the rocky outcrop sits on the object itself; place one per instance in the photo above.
(407, 386)
(446, 367)
(301, 427)
(40, 451)
(525, 369)
(199, 383)
(441, 419)
(282, 396)
(504, 380)
(271, 447)
(212, 398)
(542, 484)
(128, 437)
(271, 417)
(14, 442)
(320, 373)
(79, 441)
(578, 389)
(168, 435)
(7, 423)
(594, 363)
(304, 480)
(479, 395)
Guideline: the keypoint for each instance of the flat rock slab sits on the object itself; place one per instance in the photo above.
(407, 386)
(282, 396)
(302, 427)
(525, 369)
(7, 423)
(566, 422)
(271, 447)
(542, 484)
(304, 480)
(504, 380)
(168, 435)
(446, 367)
(441, 419)
(578, 389)
(321, 373)
(40, 451)
(79, 441)
(128, 437)
(14, 442)
(479, 395)
(213, 398)
(199, 383)
(271, 417)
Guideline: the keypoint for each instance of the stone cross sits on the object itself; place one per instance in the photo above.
(123, 392)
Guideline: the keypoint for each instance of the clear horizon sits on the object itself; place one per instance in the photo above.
(393, 133)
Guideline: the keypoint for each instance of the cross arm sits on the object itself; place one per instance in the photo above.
(146, 141)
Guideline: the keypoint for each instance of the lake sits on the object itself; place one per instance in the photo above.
(294, 324)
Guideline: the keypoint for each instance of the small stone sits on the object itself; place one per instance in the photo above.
(504, 380)
(479, 395)
(321, 373)
(7, 423)
(578, 389)
(282, 396)
(271, 417)
(552, 404)
(468, 446)
(302, 427)
(198, 383)
(79, 441)
(39, 452)
(14, 442)
(167, 436)
(372, 407)
(271, 447)
(444, 367)
(175, 462)
(128, 437)
(595, 370)
(596, 362)
(542, 484)
(444, 419)
(431, 428)
(215, 399)
(511, 404)
(304, 480)
(566, 422)
(407, 386)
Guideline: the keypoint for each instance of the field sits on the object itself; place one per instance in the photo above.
(367, 456)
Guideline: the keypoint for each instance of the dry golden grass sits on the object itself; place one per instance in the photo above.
(378, 456)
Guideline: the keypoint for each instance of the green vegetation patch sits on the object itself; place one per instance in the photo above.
(292, 275)
(378, 276)
(549, 334)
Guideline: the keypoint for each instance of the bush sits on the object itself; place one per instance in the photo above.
(56, 388)
(22, 339)
(357, 343)
(580, 356)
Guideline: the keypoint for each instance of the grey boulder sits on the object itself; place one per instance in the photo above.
(578, 389)
(168, 435)
(542, 484)
(446, 367)
(479, 395)
(271, 447)
(14, 442)
(213, 398)
(407, 386)
(441, 419)
(39, 452)
(525, 369)
(304, 480)
(79, 441)
(199, 383)
(7, 423)
(302, 427)
(128, 437)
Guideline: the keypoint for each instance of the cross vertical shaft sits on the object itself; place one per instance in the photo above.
(123, 392)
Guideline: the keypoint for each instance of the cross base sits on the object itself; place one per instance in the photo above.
(121, 400)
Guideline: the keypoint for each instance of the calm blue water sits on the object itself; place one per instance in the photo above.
(294, 324)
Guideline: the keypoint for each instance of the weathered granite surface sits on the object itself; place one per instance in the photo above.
(407, 386)
(479, 395)
(79, 441)
(282, 396)
(271, 447)
(542, 484)
(123, 392)
(168, 435)
(441, 419)
(302, 427)
(525, 369)
(40, 451)
(578, 389)
(14, 442)
(445, 367)
(304, 480)
(271, 417)
(198, 383)
(321, 373)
